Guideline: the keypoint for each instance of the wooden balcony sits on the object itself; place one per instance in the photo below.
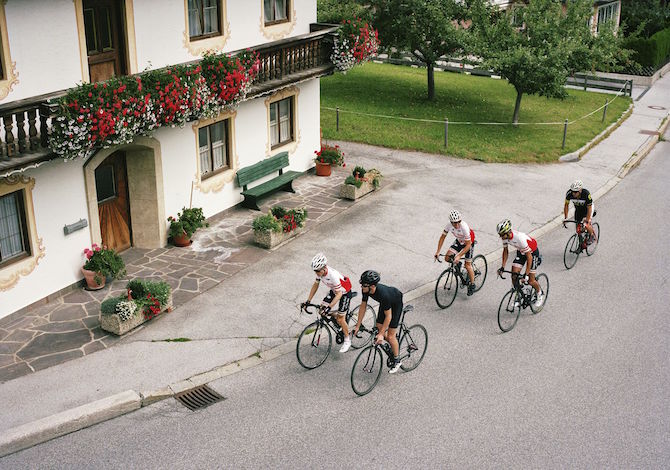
(24, 124)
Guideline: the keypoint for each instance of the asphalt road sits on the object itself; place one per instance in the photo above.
(584, 384)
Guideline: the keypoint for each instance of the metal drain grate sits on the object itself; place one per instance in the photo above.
(198, 397)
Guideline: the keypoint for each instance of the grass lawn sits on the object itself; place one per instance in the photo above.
(400, 91)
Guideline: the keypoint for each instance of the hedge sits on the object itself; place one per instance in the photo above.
(651, 52)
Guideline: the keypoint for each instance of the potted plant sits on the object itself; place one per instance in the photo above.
(143, 301)
(360, 183)
(184, 226)
(101, 263)
(278, 225)
(326, 157)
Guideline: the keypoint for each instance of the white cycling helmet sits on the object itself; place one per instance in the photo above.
(319, 262)
(455, 216)
(576, 186)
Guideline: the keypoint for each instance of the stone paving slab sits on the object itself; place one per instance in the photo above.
(69, 326)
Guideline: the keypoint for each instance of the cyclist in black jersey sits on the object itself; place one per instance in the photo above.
(583, 202)
(389, 312)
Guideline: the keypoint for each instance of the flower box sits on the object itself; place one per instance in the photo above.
(114, 324)
(270, 239)
(143, 301)
(350, 191)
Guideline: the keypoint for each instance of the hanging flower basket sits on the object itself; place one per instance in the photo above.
(101, 115)
(356, 43)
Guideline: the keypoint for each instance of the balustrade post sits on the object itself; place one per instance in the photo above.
(32, 130)
(9, 135)
(21, 131)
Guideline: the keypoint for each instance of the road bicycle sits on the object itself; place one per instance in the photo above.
(579, 243)
(315, 341)
(412, 342)
(518, 298)
(456, 275)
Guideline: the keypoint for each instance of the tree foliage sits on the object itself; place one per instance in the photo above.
(428, 29)
(337, 11)
(649, 16)
(554, 40)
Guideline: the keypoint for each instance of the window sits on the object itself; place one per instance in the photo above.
(213, 148)
(8, 74)
(607, 13)
(281, 122)
(204, 19)
(105, 183)
(275, 11)
(13, 231)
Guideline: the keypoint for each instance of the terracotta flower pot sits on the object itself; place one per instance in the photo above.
(91, 284)
(322, 169)
(181, 240)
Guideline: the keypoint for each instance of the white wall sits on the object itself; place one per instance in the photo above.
(44, 44)
(50, 60)
(59, 196)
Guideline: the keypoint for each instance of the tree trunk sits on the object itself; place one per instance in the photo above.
(517, 106)
(431, 81)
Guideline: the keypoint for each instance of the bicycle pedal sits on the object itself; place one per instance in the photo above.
(412, 347)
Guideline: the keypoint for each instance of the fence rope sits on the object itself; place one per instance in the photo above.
(558, 123)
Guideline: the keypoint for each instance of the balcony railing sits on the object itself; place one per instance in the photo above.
(25, 124)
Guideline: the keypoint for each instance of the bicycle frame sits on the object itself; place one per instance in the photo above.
(454, 268)
(582, 233)
(525, 294)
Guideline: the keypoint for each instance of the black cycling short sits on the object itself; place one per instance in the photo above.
(458, 246)
(344, 301)
(520, 260)
(396, 313)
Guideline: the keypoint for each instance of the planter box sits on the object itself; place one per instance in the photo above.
(113, 324)
(270, 239)
(349, 191)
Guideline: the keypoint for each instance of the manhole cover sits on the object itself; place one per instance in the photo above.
(660, 108)
(650, 132)
(198, 397)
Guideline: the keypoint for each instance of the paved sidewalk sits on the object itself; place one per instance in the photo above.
(69, 327)
(394, 230)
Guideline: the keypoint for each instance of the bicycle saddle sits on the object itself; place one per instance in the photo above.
(408, 308)
(352, 294)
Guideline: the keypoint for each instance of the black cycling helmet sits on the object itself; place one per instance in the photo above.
(370, 277)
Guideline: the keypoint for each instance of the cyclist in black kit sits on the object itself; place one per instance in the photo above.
(388, 316)
(583, 202)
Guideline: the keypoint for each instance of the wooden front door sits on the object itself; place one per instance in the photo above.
(105, 34)
(111, 184)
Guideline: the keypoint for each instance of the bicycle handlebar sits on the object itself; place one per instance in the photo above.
(309, 307)
(500, 271)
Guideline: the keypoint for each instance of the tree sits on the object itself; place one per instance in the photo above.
(336, 11)
(648, 15)
(428, 29)
(553, 42)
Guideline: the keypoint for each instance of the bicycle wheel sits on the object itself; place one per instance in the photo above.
(446, 288)
(367, 370)
(414, 342)
(543, 280)
(590, 249)
(314, 345)
(364, 334)
(571, 252)
(508, 314)
(480, 267)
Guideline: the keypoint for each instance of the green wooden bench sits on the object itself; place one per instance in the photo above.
(249, 174)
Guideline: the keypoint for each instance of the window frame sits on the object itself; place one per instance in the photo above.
(228, 148)
(219, 18)
(8, 74)
(25, 233)
(281, 143)
(613, 13)
(287, 7)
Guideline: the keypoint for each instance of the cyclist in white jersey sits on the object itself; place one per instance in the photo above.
(463, 246)
(340, 291)
(527, 254)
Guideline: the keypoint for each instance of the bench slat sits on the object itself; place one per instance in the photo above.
(271, 185)
(263, 168)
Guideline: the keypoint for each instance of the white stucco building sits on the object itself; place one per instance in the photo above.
(48, 46)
